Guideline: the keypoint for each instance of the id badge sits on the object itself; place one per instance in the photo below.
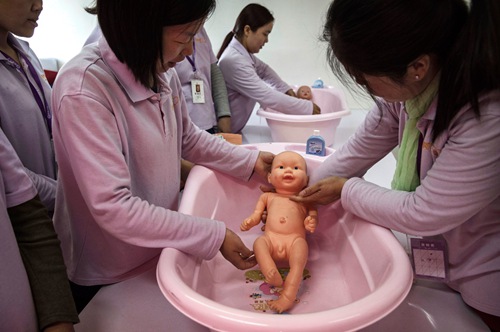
(430, 258)
(197, 91)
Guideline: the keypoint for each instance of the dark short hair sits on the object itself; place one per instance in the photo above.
(134, 29)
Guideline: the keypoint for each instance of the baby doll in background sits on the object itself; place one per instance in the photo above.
(304, 92)
(284, 237)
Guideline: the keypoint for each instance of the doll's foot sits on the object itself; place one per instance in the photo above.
(273, 277)
(281, 305)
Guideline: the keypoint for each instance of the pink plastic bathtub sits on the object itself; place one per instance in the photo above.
(298, 128)
(356, 274)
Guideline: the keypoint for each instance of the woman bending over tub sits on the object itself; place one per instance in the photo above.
(121, 127)
(435, 66)
(248, 79)
(284, 237)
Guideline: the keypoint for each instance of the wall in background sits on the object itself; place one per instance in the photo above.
(294, 49)
(62, 29)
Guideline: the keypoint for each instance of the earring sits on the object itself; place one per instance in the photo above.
(417, 77)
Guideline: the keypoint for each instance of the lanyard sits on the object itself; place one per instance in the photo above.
(419, 153)
(42, 104)
(192, 61)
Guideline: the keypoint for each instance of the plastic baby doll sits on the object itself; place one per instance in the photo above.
(304, 92)
(286, 224)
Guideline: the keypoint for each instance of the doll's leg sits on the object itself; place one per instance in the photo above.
(298, 260)
(262, 248)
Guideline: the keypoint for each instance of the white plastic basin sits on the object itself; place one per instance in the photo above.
(298, 128)
(359, 272)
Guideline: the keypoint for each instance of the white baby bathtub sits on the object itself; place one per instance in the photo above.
(357, 272)
(298, 128)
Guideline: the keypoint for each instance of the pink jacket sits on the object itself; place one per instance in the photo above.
(459, 195)
(22, 121)
(118, 146)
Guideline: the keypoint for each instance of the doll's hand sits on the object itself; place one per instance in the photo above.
(247, 224)
(236, 252)
(310, 223)
(322, 192)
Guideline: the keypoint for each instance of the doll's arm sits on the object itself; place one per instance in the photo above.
(256, 216)
(311, 221)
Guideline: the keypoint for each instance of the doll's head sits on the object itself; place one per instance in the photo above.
(288, 173)
(304, 92)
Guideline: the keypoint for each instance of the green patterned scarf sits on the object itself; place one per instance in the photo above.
(406, 175)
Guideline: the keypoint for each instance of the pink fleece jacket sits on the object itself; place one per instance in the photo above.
(459, 194)
(118, 146)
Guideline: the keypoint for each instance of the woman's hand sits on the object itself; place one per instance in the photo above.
(322, 192)
(316, 109)
(291, 93)
(60, 327)
(186, 167)
(263, 163)
(224, 124)
(236, 252)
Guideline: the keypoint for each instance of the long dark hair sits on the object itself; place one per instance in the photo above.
(473, 67)
(134, 29)
(382, 37)
(253, 15)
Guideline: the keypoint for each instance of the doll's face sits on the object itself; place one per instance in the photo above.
(288, 173)
(304, 92)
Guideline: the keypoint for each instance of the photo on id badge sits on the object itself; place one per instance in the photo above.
(197, 91)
